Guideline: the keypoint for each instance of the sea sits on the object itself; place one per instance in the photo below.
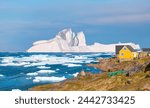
(21, 71)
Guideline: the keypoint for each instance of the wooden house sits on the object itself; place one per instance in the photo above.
(126, 52)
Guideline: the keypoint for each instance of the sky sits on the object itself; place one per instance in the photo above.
(23, 22)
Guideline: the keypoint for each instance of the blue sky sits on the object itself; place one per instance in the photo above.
(105, 21)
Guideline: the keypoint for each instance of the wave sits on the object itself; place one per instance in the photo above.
(48, 79)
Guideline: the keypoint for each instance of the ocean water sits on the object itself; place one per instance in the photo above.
(20, 71)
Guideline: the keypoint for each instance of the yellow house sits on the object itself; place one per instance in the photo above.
(126, 52)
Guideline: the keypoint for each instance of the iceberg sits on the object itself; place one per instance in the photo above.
(68, 41)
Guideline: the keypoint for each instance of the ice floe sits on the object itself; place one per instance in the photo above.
(45, 71)
(75, 74)
(32, 74)
(16, 90)
(43, 67)
(1, 75)
(41, 60)
(57, 69)
(72, 65)
(48, 79)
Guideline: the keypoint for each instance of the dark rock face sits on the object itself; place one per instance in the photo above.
(146, 87)
(130, 67)
(147, 68)
(83, 74)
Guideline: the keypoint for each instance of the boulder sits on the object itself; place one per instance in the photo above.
(146, 87)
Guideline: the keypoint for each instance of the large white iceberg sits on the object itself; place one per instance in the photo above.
(68, 41)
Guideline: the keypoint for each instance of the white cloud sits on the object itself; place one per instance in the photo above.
(138, 18)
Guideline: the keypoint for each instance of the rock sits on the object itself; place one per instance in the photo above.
(82, 73)
(147, 76)
(68, 41)
(146, 87)
(129, 81)
(147, 67)
(89, 74)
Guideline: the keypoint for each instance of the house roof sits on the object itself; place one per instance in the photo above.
(119, 47)
(130, 48)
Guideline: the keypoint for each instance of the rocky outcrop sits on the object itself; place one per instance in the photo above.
(68, 41)
(130, 67)
(84, 74)
(102, 82)
(146, 87)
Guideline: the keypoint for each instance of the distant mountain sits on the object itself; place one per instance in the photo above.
(68, 41)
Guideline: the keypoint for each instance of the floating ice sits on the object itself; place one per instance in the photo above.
(16, 90)
(57, 69)
(29, 78)
(32, 74)
(1, 75)
(46, 71)
(41, 60)
(43, 67)
(48, 79)
(72, 65)
(75, 74)
(67, 41)
(80, 57)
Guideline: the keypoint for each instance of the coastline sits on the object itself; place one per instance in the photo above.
(135, 78)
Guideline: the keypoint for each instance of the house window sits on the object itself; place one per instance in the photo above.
(122, 54)
(125, 48)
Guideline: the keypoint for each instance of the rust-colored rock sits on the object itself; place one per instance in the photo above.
(146, 87)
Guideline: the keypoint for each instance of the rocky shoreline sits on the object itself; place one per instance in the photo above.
(136, 77)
